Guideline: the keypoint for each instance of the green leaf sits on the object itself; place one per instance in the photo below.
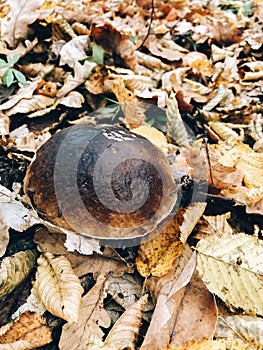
(11, 60)
(161, 118)
(19, 76)
(8, 77)
(2, 63)
(150, 122)
(97, 54)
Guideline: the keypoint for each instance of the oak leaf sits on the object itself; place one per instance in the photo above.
(58, 287)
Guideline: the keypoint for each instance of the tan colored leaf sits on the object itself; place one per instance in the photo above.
(202, 345)
(15, 24)
(25, 92)
(29, 329)
(176, 130)
(160, 48)
(81, 73)
(232, 267)
(35, 103)
(73, 100)
(58, 287)
(220, 95)
(213, 225)
(159, 250)
(74, 50)
(86, 331)
(224, 131)
(24, 140)
(125, 331)
(244, 329)
(4, 229)
(126, 289)
(15, 269)
(4, 124)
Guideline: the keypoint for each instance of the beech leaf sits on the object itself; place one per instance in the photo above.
(87, 331)
(15, 269)
(231, 266)
(58, 287)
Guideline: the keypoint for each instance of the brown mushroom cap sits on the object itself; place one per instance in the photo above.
(104, 182)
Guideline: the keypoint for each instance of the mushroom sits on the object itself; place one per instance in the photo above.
(103, 182)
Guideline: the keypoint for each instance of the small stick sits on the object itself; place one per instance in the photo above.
(149, 29)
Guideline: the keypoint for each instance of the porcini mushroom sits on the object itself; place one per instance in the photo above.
(104, 182)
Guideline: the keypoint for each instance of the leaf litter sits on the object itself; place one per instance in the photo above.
(201, 63)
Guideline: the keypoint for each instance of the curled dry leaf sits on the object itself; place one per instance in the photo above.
(244, 329)
(176, 130)
(125, 331)
(231, 266)
(113, 40)
(216, 225)
(35, 103)
(58, 287)
(29, 331)
(15, 269)
(87, 331)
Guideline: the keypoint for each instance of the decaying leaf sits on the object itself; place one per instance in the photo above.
(154, 135)
(231, 266)
(244, 329)
(35, 103)
(4, 229)
(15, 269)
(87, 331)
(58, 287)
(202, 345)
(158, 251)
(29, 331)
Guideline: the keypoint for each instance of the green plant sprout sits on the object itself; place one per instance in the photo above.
(11, 75)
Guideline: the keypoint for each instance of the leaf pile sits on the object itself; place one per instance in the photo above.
(197, 281)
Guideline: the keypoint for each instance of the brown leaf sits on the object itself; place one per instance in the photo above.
(87, 330)
(29, 327)
(113, 40)
(185, 310)
(159, 48)
(196, 301)
(162, 324)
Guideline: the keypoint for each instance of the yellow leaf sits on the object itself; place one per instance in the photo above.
(14, 269)
(58, 287)
(154, 135)
(158, 251)
(232, 267)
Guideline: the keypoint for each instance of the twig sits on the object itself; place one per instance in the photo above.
(149, 28)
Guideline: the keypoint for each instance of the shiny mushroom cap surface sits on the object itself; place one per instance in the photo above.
(103, 182)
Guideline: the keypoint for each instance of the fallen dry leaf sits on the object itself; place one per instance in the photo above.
(15, 269)
(87, 330)
(243, 329)
(29, 331)
(57, 286)
(112, 39)
(231, 267)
